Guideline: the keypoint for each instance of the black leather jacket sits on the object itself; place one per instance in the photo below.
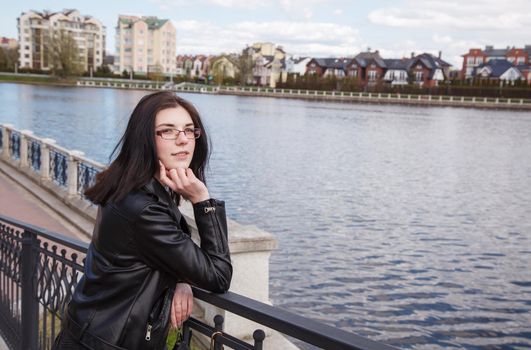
(140, 248)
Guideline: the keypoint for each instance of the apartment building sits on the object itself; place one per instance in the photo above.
(145, 44)
(36, 28)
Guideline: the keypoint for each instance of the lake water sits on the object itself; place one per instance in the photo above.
(408, 225)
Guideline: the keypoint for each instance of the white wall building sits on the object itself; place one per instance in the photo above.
(297, 65)
(35, 29)
(145, 44)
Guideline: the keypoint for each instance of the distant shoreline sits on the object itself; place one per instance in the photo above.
(317, 95)
(311, 95)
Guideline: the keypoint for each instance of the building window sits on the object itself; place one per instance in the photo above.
(470, 61)
(26, 55)
(520, 60)
(372, 75)
(479, 60)
(419, 76)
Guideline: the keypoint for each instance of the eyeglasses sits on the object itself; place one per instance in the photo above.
(173, 134)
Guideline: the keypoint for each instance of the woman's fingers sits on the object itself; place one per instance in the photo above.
(176, 180)
(164, 177)
(182, 304)
(184, 182)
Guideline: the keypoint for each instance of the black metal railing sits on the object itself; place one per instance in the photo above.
(58, 167)
(34, 154)
(39, 271)
(14, 144)
(86, 177)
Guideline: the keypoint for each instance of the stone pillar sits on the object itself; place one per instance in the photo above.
(72, 172)
(45, 159)
(250, 250)
(5, 140)
(24, 135)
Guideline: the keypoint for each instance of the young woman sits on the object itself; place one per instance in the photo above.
(141, 261)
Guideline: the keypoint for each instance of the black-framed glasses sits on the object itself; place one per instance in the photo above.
(173, 134)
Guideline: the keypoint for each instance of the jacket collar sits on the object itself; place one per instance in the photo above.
(155, 187)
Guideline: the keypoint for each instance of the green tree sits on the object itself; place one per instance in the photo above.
(63, 54)
(155, 72)
(219, 72)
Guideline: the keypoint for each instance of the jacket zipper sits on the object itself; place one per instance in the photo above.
(148, 333)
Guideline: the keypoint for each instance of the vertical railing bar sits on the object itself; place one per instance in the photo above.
(30, 305)
(53, 328)
(43, 328)
(218, 325)
(258, 336)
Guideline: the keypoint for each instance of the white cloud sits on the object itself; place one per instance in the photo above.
(308, 38)
(454, 26)
(290, 6)
(488, 15)
(239, 3)
(179, 4)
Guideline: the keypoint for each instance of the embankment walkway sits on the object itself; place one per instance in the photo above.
(21, 199)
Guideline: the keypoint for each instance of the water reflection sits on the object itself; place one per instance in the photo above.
(409, 225)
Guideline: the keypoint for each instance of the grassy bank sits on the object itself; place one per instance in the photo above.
(36, 79)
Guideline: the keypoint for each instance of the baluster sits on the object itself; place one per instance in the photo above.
(72, 172)
(5, 140)
(45, 158)
(24, 136)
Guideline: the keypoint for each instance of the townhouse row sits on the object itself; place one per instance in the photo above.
(271, 65)
(148, 44)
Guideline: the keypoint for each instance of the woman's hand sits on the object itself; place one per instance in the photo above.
(182, 304)
(184, 182)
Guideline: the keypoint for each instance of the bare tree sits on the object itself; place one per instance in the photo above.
(63, 53)
(245, 64)
(8, 58)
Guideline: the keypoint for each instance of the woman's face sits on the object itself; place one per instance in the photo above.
(176, 153)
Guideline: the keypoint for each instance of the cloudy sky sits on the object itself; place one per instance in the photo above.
(318, 28)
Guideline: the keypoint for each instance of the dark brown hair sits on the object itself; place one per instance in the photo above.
(137, 161)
